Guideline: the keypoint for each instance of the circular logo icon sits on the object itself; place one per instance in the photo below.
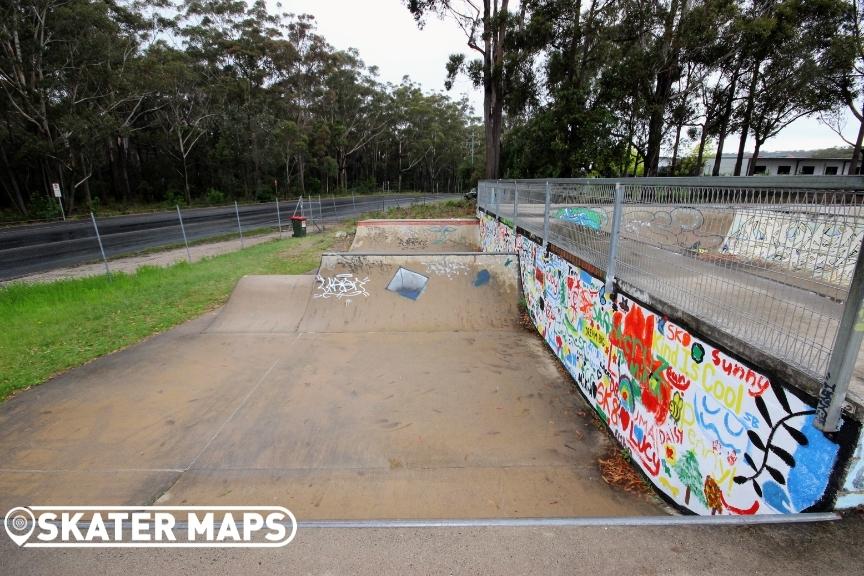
(20, 524)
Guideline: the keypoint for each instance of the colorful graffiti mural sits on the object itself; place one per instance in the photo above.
(711, 433)
(852, 492)
(581, 217)
(496, 237)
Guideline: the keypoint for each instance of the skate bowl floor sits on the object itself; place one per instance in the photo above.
(446, 235)
(385, 387)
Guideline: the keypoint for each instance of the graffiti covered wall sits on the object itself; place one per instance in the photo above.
(495, 237)
(852, 492)
(823, 244)
(712, 434)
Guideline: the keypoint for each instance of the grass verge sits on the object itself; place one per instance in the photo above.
(49, 328)
(450, 209)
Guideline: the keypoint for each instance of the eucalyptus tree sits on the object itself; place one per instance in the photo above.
(789, 47)
(186, 109)
(847, 54)
(486, 24)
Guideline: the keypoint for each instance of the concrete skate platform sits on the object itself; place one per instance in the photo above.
(445, 235)
(384, 387)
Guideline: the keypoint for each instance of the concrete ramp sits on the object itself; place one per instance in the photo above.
(414, 293)
(417, 236)
(265, 304)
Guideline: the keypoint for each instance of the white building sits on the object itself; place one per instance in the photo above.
(782, 166)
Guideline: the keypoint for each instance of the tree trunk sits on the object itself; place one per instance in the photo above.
(85, 181)
(287, 172)
(11, 184)
(754, 158)
(675, 150)
(700, 160)
(724, 119)
(748, 114)
(300, 175)
(186, 182)
(663, 89)
(493, 90)
(856, 152)
(124, 168)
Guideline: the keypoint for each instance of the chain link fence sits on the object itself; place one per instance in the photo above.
(36, 248)
(769, 263)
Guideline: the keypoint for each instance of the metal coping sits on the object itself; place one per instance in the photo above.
(589, 521)
(565, 521)
(418, 222)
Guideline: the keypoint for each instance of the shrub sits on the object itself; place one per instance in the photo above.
(215, 196)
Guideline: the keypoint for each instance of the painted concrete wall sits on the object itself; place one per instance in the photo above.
(445, 235)
(852, 492)
(712, 434)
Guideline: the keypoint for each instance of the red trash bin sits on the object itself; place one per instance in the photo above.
(298, 223)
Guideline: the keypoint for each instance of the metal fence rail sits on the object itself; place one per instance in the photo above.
(769, 262)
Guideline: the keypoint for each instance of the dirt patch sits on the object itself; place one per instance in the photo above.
(617, 470)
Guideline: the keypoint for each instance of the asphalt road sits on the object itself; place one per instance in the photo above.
(40, 247)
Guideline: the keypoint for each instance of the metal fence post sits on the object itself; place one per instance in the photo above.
(101, 248)
(515, 205)
(183, 230)
(239, 227)
(847, 343)
(278, 218)
(546, 216)
(321, 213)
(614, 238)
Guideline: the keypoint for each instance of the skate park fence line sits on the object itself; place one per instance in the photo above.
(102, 239)
(699, 317)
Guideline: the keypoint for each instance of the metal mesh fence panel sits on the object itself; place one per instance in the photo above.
(770, 266)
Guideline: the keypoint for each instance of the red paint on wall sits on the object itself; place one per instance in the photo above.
(635, 339)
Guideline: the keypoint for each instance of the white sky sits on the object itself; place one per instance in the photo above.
(386, 36)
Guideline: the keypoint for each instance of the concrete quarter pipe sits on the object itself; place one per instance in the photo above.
(385, 386)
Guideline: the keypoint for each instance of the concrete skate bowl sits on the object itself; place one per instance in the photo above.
(414, 236)
(384, 387)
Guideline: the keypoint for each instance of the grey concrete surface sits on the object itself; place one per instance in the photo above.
(783, 550)
(384, 407)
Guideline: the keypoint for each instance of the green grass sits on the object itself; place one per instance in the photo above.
(49, 328)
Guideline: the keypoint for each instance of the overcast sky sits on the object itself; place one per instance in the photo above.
(386, 36)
